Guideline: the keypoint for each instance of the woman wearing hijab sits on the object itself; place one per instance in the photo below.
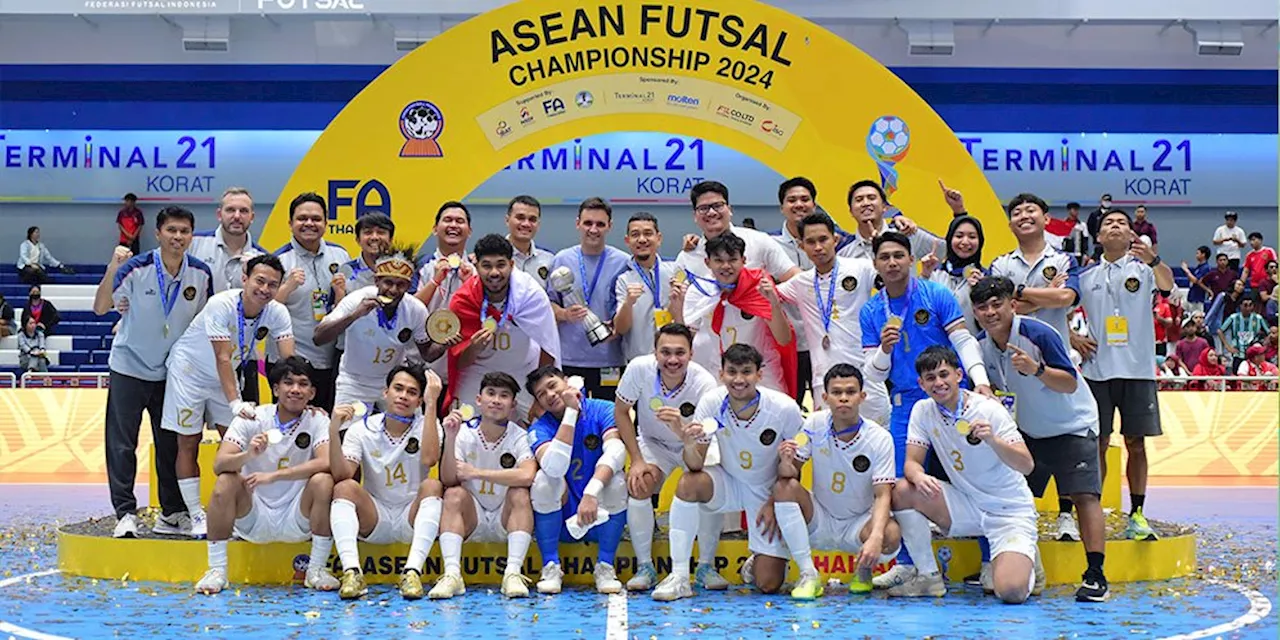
(963, 265)
(1210, 367)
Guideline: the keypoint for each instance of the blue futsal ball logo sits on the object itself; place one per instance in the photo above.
(300, 564)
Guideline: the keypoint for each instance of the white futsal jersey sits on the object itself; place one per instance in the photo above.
(974, 469)
(845, 473)
(302, 437)
(510, 351)
(749, 450)
(372, 349)
(508, 452)
(641, 383)
(222, 319)
(739, 327)
(392, 468)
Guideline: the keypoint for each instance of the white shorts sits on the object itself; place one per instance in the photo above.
(488, 525)
(1006, 532)
(188, 405)
(731, 496)
(393, 524)
(547, 494)
(345, 391)
(660, 456)
(829, 533)
(265, 524)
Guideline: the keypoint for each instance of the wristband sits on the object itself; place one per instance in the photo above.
(570, 416)
(593, 488)
(1154, 263)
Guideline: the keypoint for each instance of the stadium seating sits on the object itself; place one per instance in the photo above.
(82, 340)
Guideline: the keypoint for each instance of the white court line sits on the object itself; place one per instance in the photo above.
(616, 626)
(1259, 607)
(23, 632)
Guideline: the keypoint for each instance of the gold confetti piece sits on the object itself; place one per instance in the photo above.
(768, 604)
(311, 615)
(237, 593)
(535, 617)
(125, 577)
(815, 624)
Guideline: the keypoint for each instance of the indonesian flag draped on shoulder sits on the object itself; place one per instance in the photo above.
(532, 314)
(704, 298)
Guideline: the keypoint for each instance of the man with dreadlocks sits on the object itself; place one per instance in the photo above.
(377, 323)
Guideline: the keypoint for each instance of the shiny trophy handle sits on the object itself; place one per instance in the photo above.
(561, 280)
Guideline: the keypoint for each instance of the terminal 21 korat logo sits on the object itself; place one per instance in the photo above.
(421, 124)
(185, 165)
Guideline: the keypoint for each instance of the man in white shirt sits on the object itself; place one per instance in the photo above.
(158, 294)
(487, 466)
(398, 502)
(379, 321)
(867, 204)
(202, 385)
(829, 296)
(746, 422)
(1230, 239)
(524, 216)
(644, 291)
(445, 269)
(273, 480)
(987, 494)
(312, 287)
(658, 385)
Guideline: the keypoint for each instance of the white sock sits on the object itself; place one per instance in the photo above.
(190, 488)
(684, 521)
(320, 547)
(710, 525)
(425, 527)
(919, 540)
(796, 534)
(451, 551)
(517, 549)
(346, 527)
(640, 522)
(218, 555)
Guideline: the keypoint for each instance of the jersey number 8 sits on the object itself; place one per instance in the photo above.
(837, 482)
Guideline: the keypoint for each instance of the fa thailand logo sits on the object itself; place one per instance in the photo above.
(421, 124)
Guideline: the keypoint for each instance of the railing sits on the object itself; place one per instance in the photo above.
(34, 380)
(1218, 383)
(8, 381)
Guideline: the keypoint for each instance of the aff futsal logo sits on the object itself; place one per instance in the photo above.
(421, 124)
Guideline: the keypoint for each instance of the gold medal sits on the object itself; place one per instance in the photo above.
(680, 276)
(358, 409)
(454, 261)
(490, 324)
(385, 300)
(467, 411)
(443, 325)
(802, 439)
(275, 436)
(894, 321)
(962, 427)
(655, 403)
(709, 426)
(969, 271)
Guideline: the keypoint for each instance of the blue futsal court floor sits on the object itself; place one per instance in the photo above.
(1231, 596)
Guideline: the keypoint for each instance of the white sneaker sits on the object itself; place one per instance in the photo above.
(899, 574)
(320, 579)
(552, 576)
(919, 586)
(747, 572)
(1038, 587)
(1068, 531)
(987, 579)
(448, 586)
(706, 577)
(644, 578)
(607, 579)
(199, 525)
(126, 527)
(178, 524)
(214, 580)
(674, 587)
(515, 585)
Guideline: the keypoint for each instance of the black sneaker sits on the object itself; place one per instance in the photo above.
(1093, 588)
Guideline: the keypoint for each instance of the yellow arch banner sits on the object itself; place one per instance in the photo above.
(535, 73)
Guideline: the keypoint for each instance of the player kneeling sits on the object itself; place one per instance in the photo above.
(273, 482)
(488, 467)
(748, 422)
(397, 502)
(987, 494)
(853, 477)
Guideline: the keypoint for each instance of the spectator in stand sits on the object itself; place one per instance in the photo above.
(1255, 264)
(1144, 227)
(1197, 291)
(1172, 367)
(1272, 345)
(1221, 279)
(32, 355)
(1191, 346)
(130, 222)
(6, 318)
(1164, 322)
(1242, 329)
(1255, 365)
(1231, 301)
(33, 257)
(45, 314)
(1210, 367)
(1230, 238)
(1075, 239)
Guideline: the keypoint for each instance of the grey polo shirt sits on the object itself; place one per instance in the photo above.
(141, 347)
(1121, 289)
(639, 340)
(228, 269)
(1040, 411)
(1014, 266)
(536, 263)
(314, 296)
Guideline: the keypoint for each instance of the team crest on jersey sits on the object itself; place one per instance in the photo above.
(972, 439)
(687, 409)
(333, 267)
(861, 464)
(189, 293)
(1131, 285)
(878, 283)
(411, 446)
(542, 272)
(849, 283)
(507, 461)
(768, 436)
(405, 334)
(922, 317)
(262, 333)
(1050, 272)
(746, 316)
(591, 442)
(303, 440)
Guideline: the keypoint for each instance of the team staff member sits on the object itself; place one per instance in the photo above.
(868, 204)
(311, 288)
(444, 271)
(524, 216)
(644, 292)
(158, 294)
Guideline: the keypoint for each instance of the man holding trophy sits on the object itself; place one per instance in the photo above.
(581, 290)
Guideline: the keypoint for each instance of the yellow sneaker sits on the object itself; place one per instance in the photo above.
(353, 585)
(449, 585)
(809, 588)
(861, 582)
(515, 585)
(411, 584)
